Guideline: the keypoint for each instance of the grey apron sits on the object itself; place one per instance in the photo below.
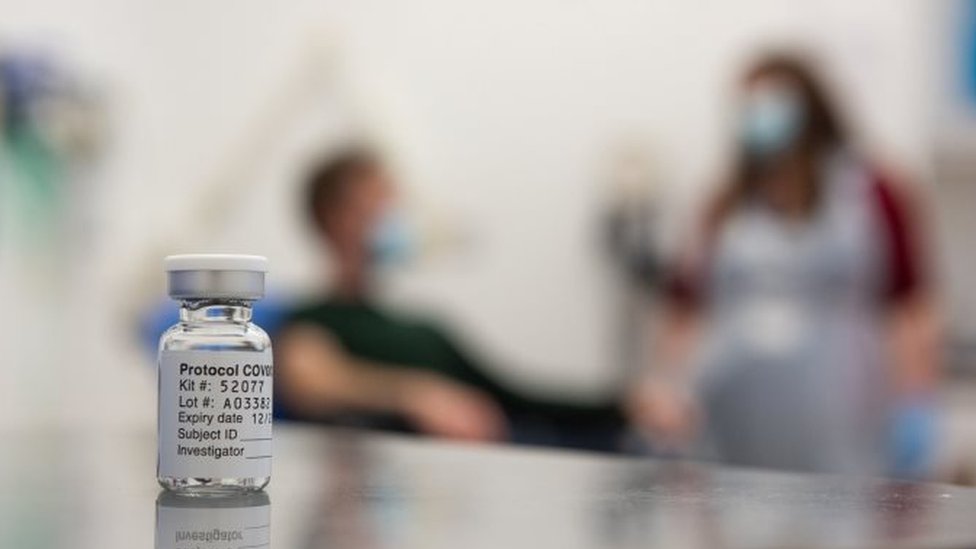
(792, 367)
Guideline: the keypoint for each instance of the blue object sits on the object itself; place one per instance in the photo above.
(912, 438)
(392, 241)
(772, 120)
(967, 51)
(25, 78)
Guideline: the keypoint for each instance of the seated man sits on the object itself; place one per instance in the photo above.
(346, 354)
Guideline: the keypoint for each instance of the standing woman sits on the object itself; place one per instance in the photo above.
(801, 322)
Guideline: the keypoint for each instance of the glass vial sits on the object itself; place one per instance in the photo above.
(215, 378)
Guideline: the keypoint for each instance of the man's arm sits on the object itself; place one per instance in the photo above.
(317, 376)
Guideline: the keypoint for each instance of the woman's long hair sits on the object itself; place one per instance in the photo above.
(822, 131)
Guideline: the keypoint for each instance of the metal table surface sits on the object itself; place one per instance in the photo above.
(336, 489)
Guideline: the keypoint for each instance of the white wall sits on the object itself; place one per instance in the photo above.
(502, 114)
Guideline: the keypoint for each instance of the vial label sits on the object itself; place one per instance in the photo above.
(213, 527)
(215, 414)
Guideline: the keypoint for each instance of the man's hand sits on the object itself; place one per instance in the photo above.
(441, 407)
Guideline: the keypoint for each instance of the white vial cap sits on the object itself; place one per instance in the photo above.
(230, 276)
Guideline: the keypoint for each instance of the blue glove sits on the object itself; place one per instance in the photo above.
(912, 437)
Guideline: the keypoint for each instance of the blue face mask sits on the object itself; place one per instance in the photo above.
(772, 120)
(392, 241)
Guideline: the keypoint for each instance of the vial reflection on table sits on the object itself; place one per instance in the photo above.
(192, 522)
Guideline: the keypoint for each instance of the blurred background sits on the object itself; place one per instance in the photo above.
(517, 132)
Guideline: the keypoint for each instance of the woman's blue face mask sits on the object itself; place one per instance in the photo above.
(772, 119)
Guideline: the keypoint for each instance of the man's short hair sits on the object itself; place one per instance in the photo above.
(327, 181)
